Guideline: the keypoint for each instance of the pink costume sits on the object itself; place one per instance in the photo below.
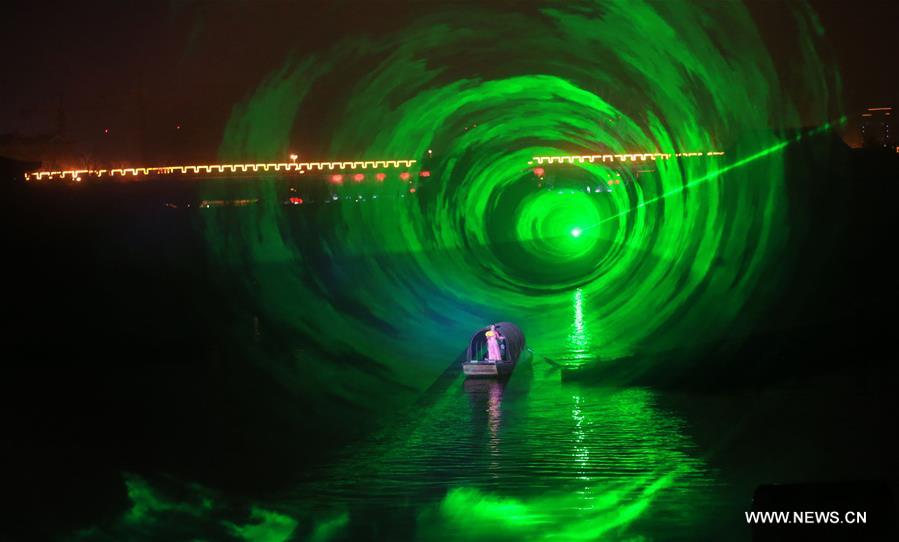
(493, 338)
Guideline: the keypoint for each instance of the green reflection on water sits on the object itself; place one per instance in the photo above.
(264, 526)
(578, 343)
(482, 460)
(529, 458)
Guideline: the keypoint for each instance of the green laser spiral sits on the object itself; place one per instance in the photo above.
(659, 261)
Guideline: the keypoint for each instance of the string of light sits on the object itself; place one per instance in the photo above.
(218, 169)
(631, 157)
(303, 167)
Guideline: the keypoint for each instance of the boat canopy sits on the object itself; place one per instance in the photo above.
(514, 342)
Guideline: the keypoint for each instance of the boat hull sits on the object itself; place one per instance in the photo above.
(487, 369)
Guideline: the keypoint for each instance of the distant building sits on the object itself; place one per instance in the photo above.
(875, 127)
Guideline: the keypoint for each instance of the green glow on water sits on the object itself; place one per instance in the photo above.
(330, 528)
(265, 526)
(555, 463)
(473, 515)
(528, 459)
(144, 500)
(197, 514)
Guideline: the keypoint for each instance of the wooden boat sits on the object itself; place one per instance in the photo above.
(511, 347)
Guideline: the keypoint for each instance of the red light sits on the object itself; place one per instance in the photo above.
(296, 201)
(404, 175)
(611, 182)
(380, 176)
(337, 178)
(412, 190)
(617, 181)
(105, 130)
(538, 171)
(358, 177)
(178, 127)
(425, 174)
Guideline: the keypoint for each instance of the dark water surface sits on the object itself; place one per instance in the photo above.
(527, 458)
(535, 458)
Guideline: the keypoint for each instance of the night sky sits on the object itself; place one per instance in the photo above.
(172, 71)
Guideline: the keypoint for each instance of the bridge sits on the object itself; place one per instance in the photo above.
(356, 170)
(627, 157)
(221, 170)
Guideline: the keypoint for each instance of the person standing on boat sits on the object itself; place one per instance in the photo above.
(493, 339)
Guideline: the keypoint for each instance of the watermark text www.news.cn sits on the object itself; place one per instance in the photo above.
(806, 517)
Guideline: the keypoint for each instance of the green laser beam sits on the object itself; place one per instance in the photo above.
(715, 174)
